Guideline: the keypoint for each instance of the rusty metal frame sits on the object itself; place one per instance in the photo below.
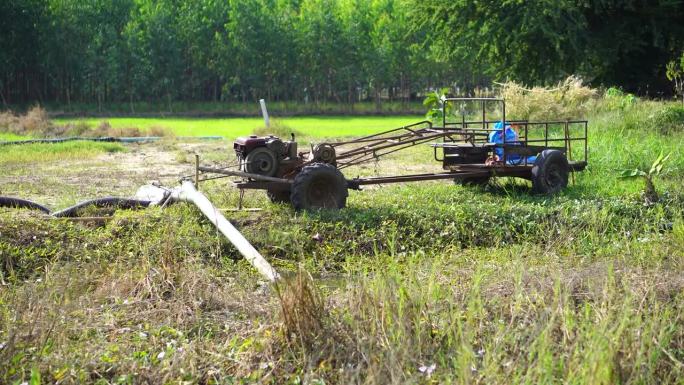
(371, 147)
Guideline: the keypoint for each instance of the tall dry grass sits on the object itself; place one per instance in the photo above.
(569, 99)
(37, 123)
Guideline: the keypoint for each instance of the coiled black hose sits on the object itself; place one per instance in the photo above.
(119, 203)
(22, 204)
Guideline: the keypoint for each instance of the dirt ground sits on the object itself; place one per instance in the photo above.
(59, 184)
(66, 182)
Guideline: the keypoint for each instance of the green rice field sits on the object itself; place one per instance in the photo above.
(314, 126)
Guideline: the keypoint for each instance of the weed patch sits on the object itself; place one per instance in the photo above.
(669, 119)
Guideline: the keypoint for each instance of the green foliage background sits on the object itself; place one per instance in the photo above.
(315, 51)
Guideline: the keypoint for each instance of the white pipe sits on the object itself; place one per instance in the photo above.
(264, 112)
(188, 193)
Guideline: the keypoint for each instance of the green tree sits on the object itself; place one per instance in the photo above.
(322, 46)
(155, 44)
(629, 42)
(20, 43)
(261, 44)
(201, 26)
(532, 41)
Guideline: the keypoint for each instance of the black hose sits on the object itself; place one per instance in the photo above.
(133, 139)
(119, 203)
(22, 204)
(59, 140)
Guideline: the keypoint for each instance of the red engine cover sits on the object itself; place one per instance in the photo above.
(245, 144)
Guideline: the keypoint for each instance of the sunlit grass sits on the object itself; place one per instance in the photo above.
(417, 283)
(314, 126)
(43, 152)
(8, 136)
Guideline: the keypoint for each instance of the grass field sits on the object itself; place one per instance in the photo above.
(318, 126)
(54, 152)
(417, 283)
(6, 136)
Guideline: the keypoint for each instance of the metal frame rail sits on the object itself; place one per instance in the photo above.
(371, 147)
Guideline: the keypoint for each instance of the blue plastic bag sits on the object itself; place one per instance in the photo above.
(497, 137)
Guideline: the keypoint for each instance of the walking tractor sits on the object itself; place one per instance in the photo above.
(471, 150)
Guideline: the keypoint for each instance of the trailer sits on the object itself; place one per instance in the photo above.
(470, 150)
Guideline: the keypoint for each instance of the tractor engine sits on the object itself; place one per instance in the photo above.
(266, 155)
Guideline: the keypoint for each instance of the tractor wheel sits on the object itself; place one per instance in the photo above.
(317, 186)
(550, 172)
(278, 196)
(261, 161)
(472, 180)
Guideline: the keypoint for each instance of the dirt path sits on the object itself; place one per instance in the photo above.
(59, 184)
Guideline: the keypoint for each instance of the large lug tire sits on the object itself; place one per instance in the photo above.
(317, 186)
(261, 161)
(550, 172)
(278, 196)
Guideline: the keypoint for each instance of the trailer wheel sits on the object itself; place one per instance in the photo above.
(319, 185)
(278, 196)
(550, 172)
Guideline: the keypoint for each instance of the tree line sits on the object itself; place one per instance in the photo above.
(344, 51)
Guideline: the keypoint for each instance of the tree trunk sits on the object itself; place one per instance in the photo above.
(378, 103)
(99, 98)
(2, 94)
(68, 92)
(216, 82)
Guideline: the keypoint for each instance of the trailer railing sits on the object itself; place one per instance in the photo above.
(533, 137)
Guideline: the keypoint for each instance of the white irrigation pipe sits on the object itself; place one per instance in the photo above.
(188, 193)
(264, 113)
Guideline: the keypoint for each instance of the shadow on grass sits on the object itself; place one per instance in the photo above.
(521, 190)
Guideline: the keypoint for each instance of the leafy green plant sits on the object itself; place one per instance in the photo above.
(674, 72)
(434, 102)
(615, 98)
(650, 193)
